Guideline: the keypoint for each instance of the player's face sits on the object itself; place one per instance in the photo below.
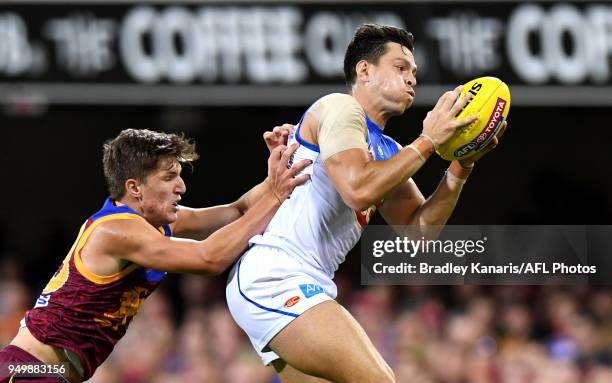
(393, 79)
(161, 192)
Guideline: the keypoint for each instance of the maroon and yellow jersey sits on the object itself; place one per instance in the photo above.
(87, 313)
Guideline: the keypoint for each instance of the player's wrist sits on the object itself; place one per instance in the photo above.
(459, 171)
(422, 147)
(275, 195)
(426, 137)
(421, 154)
(466, 164)
(278, 198)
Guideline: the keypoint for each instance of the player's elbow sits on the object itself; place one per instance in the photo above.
(211, 263)
(218, 254)
(361, 196)
(358, 199)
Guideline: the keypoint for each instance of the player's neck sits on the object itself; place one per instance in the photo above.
(373, 109)
(129, 202)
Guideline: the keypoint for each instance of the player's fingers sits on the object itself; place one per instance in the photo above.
(278, 130)
(494, 142)
(277, 152)
(289, 128)
(490, 146)
(460, 104)
(442, 99)
(464, 121)
(300, 180)
(274, 160)
(267, 136)
(296, 168)
(452, 98)
(502, 130)
(288, 153)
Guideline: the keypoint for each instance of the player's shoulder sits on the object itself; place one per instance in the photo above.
(338, 99)
(123, 233)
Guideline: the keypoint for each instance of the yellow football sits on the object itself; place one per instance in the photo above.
(491, 103)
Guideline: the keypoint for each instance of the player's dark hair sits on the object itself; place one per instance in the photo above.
(370, 43)
(136, 153)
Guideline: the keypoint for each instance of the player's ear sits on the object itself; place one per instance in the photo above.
(363, 71)
(132, 188)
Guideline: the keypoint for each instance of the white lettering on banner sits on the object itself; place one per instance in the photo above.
(573, 45)
(469, 44)
(562, 44)
(228, 44)
(326, 38)
(327, 34)
(140, 64)
(17, 55)
(83, 43)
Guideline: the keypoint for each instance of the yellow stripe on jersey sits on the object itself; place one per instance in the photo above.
(82, 239)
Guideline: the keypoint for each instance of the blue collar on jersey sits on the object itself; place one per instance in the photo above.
(380, 145)
(109, 208)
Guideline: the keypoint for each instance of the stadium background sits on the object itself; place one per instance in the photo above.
(552, 167)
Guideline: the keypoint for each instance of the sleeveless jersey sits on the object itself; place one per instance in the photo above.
(86, 313)
(314, 223)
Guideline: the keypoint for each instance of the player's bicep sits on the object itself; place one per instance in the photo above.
(400, 206)
(345, 172)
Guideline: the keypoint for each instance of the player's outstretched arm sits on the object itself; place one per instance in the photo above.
(363, 182)
(199, 223)
(138, 242)
(407, 209)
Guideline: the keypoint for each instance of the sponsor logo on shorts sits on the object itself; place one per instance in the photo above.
(310, 289)
(292, 301)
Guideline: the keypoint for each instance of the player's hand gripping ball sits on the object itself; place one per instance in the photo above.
(491, 103)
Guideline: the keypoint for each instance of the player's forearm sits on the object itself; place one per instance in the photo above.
(200, 223)
(225, 245)
(250, 198)
(379, 178)
(437, 209)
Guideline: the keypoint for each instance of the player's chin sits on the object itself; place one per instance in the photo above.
(408, 104)
(172, 215)
(401, 107)
(171, 218)
(408, 100)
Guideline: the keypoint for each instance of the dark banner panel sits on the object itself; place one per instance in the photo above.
(289, 53)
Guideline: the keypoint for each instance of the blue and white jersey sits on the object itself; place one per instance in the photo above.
(314, 223)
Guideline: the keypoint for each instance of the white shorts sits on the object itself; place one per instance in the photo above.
(267, 289)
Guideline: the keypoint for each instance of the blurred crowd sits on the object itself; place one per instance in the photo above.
(428, 334)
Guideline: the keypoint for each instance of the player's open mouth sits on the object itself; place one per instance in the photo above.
(411, 93)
